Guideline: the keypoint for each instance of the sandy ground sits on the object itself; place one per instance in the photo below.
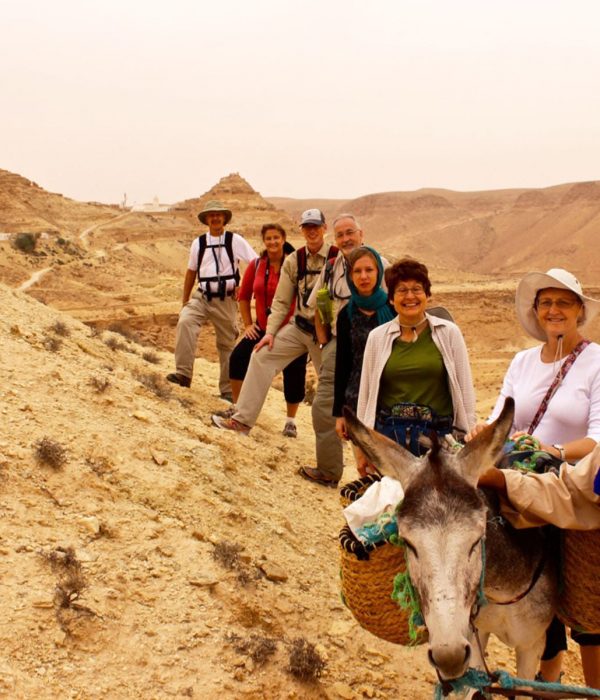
(149, 492)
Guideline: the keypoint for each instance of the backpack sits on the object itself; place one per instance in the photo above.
(303, 271)
(221, 279)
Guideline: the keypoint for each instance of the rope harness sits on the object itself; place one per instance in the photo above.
(485, 682)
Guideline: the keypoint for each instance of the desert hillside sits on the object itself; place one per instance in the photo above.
(145, 554)
(498, 232)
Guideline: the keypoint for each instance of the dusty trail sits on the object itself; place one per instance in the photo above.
(34, 279)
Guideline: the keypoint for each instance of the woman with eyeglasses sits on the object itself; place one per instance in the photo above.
(556, 388)
(415, 376)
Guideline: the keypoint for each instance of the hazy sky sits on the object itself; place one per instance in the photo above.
(310, 98)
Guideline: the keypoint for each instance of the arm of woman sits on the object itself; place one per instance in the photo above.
(244, 298)
(569, 500)
(462, 368)
(367, 383)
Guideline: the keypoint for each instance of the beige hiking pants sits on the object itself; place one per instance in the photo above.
(330, 453)
(289, 343)
(223, 316)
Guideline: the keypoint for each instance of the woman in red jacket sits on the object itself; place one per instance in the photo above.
(260, 281)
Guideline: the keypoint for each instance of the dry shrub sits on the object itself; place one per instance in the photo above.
(258, 648)
(151, 356)
(124, 331)
(71, 583)
(60, 328)
(52, 343)
(154, 383)
(114, 343)
(100, 384)
(95, 331)
(305, 662)
(62, 559)
(228, 555)
(50, 453)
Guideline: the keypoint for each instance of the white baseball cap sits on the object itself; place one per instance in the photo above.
(312, 217)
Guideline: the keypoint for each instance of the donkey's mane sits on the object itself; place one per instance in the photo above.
(438, 493)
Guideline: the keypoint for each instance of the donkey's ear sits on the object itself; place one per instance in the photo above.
(387, 456)
(483, 450)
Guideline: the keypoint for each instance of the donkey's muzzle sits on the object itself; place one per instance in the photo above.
(450, 661)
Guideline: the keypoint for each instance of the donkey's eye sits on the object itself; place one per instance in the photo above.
(411, 548)
(474, 547)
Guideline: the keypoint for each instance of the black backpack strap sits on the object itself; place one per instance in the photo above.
(201, 251)
(332, 254)
(220, 279)
(301, 258)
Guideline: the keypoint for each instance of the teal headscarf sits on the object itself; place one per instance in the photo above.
(377, 301)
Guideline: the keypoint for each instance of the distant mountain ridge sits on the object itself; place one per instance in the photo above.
(27, 207)
(497, 232)
(504, 232)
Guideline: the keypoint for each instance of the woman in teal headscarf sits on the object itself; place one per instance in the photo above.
(367, 308)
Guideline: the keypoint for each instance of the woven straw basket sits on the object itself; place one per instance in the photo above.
(579, 601)
(367, 584)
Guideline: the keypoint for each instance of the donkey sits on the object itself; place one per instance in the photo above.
(445, 522)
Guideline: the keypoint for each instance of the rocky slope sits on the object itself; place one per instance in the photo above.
(144, 553)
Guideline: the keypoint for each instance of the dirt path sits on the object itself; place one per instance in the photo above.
(34, 279)
(86, 232)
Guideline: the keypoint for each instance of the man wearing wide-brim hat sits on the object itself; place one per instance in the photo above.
(214, 263)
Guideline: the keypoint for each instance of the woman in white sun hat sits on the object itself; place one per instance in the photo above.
(556, 388)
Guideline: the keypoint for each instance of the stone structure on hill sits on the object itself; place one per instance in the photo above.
(250, 209)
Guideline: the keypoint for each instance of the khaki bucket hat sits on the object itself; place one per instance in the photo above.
(557, 278)
(214, 205)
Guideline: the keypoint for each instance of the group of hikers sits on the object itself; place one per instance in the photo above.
(400, 364)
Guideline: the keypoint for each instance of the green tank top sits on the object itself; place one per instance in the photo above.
(415, 373)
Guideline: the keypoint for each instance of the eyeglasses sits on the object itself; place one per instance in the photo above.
(562, 304)
(417, 290)
(347, 232)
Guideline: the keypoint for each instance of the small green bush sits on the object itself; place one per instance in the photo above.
(25, 242)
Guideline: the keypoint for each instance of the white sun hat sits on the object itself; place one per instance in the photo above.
(556, 278)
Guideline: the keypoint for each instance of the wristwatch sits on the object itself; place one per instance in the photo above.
(561, 452)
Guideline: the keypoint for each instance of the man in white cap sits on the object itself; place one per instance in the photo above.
(348, 236)
(281, 345)
(214, 262)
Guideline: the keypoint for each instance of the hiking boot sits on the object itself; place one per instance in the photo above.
(227, 396)
(180, 379)
(290, 430)
(230, 424)
(227, 413)
(317, 477)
